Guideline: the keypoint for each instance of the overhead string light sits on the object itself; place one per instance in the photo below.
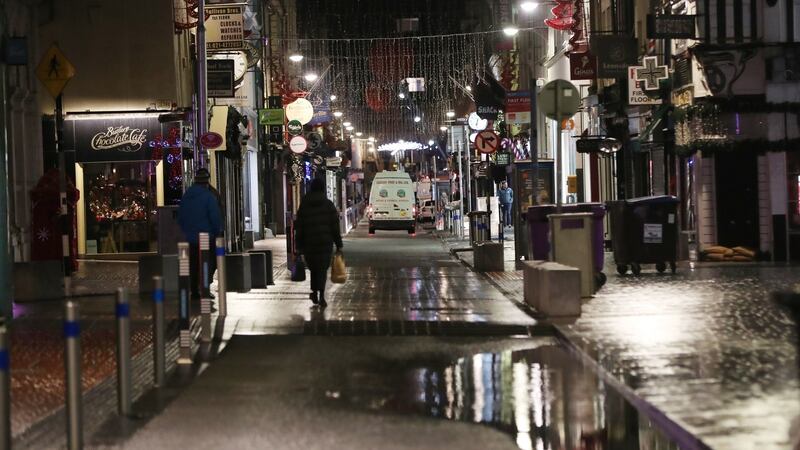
(369, 74)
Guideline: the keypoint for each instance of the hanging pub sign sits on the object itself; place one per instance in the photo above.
(108, 138)
(582, 66)
(614, 55)
(671, 26)
(224, 28)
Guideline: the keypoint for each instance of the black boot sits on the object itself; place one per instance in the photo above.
(313, 297)
(322, 302)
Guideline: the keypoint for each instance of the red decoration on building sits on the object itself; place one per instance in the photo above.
(562, 15)
(377, 98)
(578, 41)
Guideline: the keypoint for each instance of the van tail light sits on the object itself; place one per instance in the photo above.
(414, 210)
(369, 211)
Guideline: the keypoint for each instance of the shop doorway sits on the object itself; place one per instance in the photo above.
(737, 199)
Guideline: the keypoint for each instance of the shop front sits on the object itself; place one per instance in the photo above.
(126, 166)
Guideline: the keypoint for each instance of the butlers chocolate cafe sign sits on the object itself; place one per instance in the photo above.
(113, 137)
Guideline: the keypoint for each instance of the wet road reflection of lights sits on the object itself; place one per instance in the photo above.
(541, 397)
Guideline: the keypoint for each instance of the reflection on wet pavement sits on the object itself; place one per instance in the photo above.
(541, 396)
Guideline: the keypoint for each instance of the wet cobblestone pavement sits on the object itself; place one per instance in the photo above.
(705, 346)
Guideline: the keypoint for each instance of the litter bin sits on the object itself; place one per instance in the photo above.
(644, 231)
(539, 231)
(478, 227)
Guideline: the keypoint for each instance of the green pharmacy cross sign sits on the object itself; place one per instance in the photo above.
(651, 73)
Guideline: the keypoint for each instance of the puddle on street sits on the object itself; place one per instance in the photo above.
(542, 396)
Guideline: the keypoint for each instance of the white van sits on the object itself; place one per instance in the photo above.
(391, 203)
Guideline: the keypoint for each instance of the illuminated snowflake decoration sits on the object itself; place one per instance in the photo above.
(43, 235)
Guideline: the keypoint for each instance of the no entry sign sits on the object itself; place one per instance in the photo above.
(487, 141)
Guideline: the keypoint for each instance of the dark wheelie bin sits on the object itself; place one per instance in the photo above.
(644, 231)
(539, 231)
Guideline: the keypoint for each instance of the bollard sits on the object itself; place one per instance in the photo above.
(205, 320)
(185, 338)
(123, 311)
(5, 389)
(72, 363)
(222, 293)
(205, 266)
(159, 340)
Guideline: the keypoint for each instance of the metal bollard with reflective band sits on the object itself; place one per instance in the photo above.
(72, 363)
(205, 320)
(159, 339)
(5, 389)
(222, 293)
(205, 264)
(185, 338)
(124, 388)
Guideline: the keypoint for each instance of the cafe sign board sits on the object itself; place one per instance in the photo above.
(109, 138)
(224, 28)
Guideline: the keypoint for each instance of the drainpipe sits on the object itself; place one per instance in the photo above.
(5, 250)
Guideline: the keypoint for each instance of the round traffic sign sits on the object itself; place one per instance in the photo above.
(294, 127)
(559, 99)
(211, 140)
(487, 141)
(476, 123)
(300, 109)
(298, 144)
(314, 140)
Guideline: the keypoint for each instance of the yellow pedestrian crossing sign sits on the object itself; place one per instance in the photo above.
(55, 71)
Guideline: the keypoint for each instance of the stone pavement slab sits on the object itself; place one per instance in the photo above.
(705, 346)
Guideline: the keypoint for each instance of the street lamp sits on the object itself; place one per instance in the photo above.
(359, 134)
(443, 128)
(401, 95)
(451, 114)
(430, 142)
(333, 98)
(347, 124)
(417, 119)
(528, 6)
(311, 77)
(337, 114)
(295, 57)
(511, 31)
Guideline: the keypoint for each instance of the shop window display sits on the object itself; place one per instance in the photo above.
(120, 207)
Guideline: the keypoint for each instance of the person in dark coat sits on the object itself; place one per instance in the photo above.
(199, 212)
(316, 232)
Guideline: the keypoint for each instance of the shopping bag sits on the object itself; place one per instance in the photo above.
(299, 269)
(338, 269)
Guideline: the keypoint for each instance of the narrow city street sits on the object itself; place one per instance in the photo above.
(411, 330)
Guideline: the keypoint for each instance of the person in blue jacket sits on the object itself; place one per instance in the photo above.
(505, 197)
(200, 212)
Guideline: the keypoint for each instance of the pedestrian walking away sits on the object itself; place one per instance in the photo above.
(505, 196)
(199, 212)
(316, 232)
